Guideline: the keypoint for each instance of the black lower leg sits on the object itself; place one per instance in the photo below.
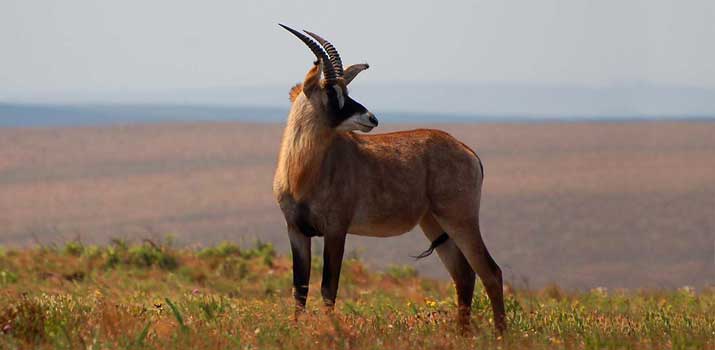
(332, 263)
(463, 276)
(465, 292)
(300, 249)
(464, 280)
(496, 295)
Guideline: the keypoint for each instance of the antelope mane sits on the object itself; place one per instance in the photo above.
(295, 91)
(303, 148)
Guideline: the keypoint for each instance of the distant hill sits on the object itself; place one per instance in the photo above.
(16, 115)
(31, 115)
(397, 101)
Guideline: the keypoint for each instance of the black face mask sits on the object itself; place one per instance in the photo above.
(350, 108)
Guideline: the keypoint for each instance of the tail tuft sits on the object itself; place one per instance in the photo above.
(436, 243)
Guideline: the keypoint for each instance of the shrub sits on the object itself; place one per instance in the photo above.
(73, 248)
(221, 250)
(7, 277)
(92, 252)
(401, 271)
(143, 256)
(234, 268)
(262, 249)
(148, 256)
(113, 257)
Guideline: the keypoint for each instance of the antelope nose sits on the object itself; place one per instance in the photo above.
(372, 119)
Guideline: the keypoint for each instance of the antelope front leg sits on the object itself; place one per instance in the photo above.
(332, 262)
(300, 248)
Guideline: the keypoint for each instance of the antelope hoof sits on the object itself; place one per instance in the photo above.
(464, 319)
(464, 316)
(299, 309)
(329, 306)
(500, 327)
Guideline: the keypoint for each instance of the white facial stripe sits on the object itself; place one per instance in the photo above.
(341, 98)
(359, 121)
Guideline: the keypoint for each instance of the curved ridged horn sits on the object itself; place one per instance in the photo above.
(328, 69)
(332, 52)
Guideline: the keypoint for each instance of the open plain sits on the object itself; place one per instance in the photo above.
(613, 204)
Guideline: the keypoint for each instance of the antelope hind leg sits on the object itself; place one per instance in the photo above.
(468, 238)
(457, 266)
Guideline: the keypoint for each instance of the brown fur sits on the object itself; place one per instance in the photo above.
(304, 143)
(311, 83)
(295, 91)
(302, 152)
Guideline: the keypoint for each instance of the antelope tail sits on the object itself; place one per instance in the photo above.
(436, 243)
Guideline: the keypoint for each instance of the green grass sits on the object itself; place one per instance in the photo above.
(154, 296)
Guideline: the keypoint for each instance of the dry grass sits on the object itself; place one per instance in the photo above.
(151, 296)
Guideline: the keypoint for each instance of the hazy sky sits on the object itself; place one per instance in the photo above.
(89, 45)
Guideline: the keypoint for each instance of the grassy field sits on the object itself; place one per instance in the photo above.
(620, 205)
(153, 295)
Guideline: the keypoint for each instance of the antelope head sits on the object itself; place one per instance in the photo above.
(328, 97)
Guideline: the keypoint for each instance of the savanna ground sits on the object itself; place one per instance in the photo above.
(614, 204)
(152, 295)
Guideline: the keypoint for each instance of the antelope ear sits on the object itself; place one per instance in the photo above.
(311, 83)
(352, 71)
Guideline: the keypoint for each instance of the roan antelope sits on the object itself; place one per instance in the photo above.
(331, 181)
